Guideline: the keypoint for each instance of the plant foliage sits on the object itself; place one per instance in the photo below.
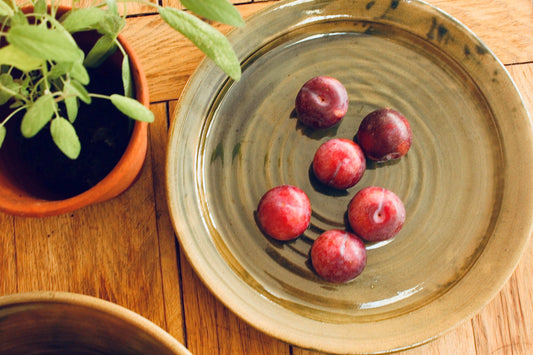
(43, 72)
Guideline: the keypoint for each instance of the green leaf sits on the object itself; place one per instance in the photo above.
(71, 103)
(132, 108)
(2, 135)
(79, 72)
(19, 19)
(216, 10)
(12, 56)
(126, 77)
(7, 81)
(40, 7)
(213, 43)
(76, 70)
(65, 137)
(5, 9)
(83, 19)
(73, 87)
(112, 6)
(111, 25)
(104, 47)
(37, 115)
(45, 43)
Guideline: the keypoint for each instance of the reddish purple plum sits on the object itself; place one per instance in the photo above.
(376, 214)
(384, 134)
(339, 163)
(338, 256)
(284, 212)
(321, 102)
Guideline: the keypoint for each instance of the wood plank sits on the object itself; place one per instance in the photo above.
(168, 254)
(8, 267)
(108, 250)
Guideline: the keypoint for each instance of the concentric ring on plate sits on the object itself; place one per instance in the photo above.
(231, 142)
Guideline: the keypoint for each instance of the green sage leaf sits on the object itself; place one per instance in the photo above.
(65, 137)
(216, 10)
(76, 70)
(111, 25)
(79, 72)
(71, 103)
(73, 87)
(59, 69)
(6, 81)
(104, 47)
(126, 77)
(37, 115)
(83, 19)
(112, 6)
(2, 135)
(132, 108)
(40, 7)
(45, 43)
(5, 9)
(19, 18)
(12, 56)
(210, 41)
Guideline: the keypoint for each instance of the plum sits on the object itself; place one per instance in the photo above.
(321, 102)
(376, 214)
(384, 134)
(284, 212)
(338, 256)
(339, 163)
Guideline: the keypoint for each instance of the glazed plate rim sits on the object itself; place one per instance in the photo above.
(279, 322)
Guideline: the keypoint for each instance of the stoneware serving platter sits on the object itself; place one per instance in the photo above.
(462, 182)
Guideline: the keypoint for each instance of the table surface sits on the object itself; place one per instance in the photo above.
(125, 250)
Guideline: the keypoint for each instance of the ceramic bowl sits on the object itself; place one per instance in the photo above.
(463, 182)
(67, 323)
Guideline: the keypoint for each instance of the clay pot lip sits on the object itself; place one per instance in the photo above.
(107, 187)
(24, 300)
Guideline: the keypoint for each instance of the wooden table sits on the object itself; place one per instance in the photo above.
(125, 250)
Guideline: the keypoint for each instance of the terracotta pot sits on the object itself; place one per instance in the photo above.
(69, 323)
(17, 199)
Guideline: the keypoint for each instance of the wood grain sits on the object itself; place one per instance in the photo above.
(125, 250)
(168, 249)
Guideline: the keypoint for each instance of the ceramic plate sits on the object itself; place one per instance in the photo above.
(462, 182)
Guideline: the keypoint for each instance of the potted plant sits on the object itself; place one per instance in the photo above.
(74, 102)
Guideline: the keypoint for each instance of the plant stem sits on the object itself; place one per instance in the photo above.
(99, 96)
(13, 93)
(12, 114)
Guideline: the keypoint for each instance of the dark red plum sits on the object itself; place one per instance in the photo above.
(384, 134)
(339, 163)
(321, 102)
(376, 214)
(338, 256)
(284, 212)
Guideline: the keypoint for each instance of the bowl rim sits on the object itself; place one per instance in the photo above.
(95, 304)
